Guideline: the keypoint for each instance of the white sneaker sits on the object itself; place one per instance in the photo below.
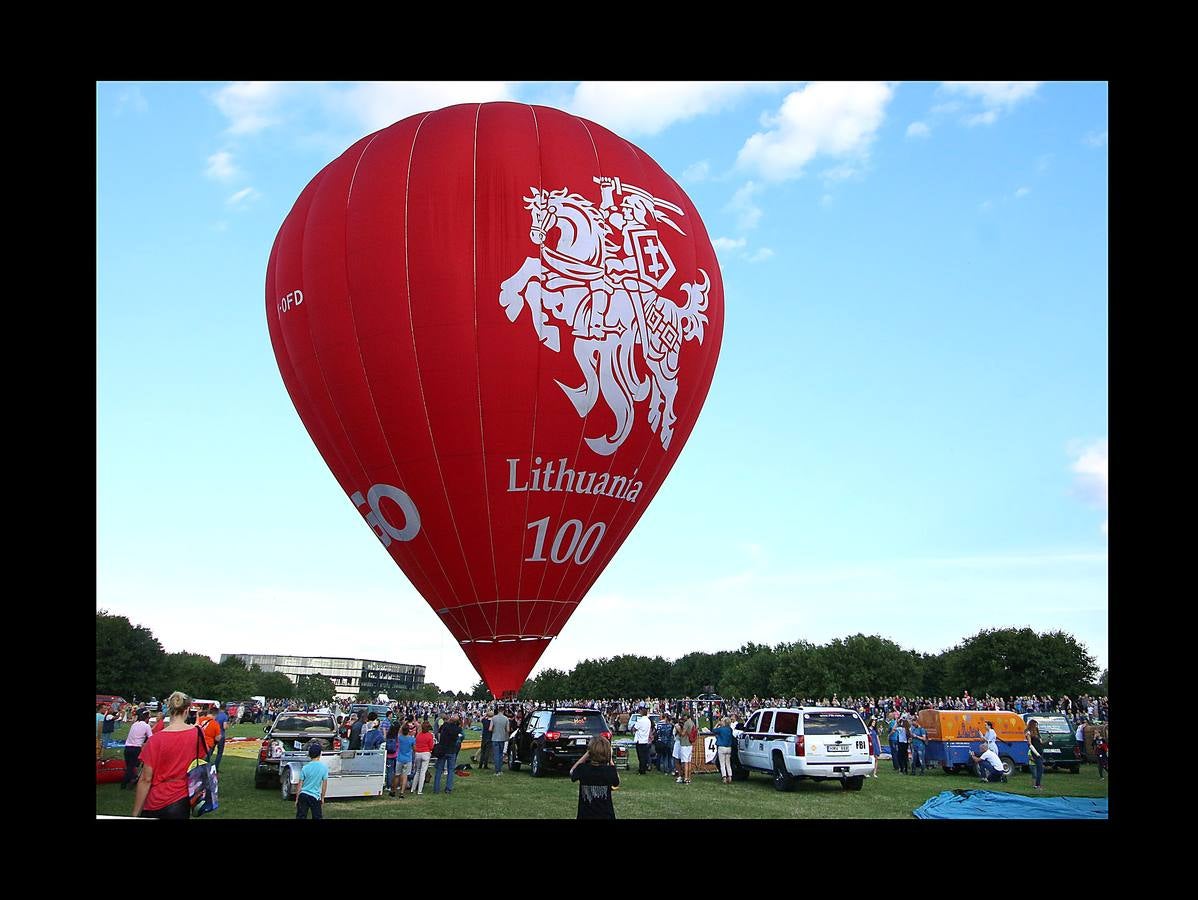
(678, 780)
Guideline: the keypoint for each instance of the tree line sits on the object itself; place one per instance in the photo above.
(1008, 662)
(131, 663)
(1005, 662)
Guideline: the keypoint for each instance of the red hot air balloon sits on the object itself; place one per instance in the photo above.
(498, 322)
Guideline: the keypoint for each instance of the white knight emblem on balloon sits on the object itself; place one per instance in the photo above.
(604, 281)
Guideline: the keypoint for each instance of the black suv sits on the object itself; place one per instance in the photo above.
(554, 737)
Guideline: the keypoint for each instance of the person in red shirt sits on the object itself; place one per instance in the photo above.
(423, 755)
(162, 788)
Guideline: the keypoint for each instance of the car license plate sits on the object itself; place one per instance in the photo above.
(1051, 750)
(838, 748)
(582, 742)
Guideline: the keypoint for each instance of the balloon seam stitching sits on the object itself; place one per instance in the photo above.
(419, 377)
(366, 375)
(482, 433)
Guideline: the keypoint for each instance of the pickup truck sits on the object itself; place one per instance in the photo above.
(291, 732)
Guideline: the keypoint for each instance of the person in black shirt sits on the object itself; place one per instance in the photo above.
(597, 778)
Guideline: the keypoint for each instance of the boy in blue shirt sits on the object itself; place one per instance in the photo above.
(314, 779)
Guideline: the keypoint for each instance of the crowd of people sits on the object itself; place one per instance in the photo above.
(414, 734)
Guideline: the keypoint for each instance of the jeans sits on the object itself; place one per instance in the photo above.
(1038, 768)
(902, 756)
(306, 802)
(484, 752)
(421, 770)
(390, 776)
(446, 763)
(220, 750)
(894, 755)
(917, 755)
(497, 754)
(988, 772)
(131, 755)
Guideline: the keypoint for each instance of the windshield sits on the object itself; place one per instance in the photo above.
(1052, 726)
(840, 724)
(305, 723)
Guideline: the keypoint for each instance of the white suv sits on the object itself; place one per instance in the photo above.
(816, 742)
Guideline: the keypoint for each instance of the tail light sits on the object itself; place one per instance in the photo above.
(552, 735)
(265, 749)
(800, 745)
(336, 743)
(605, 734)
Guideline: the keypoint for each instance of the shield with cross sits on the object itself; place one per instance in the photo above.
(653, 262)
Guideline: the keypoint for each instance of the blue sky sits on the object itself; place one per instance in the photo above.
(906, 434)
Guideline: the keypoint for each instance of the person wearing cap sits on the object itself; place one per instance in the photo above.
(644, 728)
(314, 781)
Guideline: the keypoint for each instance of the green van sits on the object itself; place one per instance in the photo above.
(1061, 750)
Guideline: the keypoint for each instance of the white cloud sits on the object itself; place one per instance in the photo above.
(1090, 467)
(989, 117)
(748, 213)
(697, 171)
(995, 97)
(1022, 192)
(649, 107)
(723, 243)
(1095, 139)
(838, 119)
(842, 172)
(251, 106)
(242, 196)
(131, 99)
(377, 104)
(918, 130)
(221, 167)
(761, 255)
(1091, 470)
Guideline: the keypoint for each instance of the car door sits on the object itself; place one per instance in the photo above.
(534, 732)
(749, 745)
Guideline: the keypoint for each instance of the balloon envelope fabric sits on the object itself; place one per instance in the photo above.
(964, 804)
(498, 323)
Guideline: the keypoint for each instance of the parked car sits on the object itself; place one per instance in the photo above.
(788, 744)
(292, 731)
(1061, 749)
(554, 738)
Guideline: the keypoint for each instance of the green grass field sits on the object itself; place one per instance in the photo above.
(516, 795)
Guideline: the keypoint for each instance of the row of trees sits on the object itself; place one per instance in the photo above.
(132, 663)
(999, 662)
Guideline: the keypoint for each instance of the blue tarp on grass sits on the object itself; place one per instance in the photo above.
(962, 804)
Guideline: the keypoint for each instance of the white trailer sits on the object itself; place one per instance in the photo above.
(352, 773)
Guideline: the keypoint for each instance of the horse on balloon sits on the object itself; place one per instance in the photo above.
(609, 315)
